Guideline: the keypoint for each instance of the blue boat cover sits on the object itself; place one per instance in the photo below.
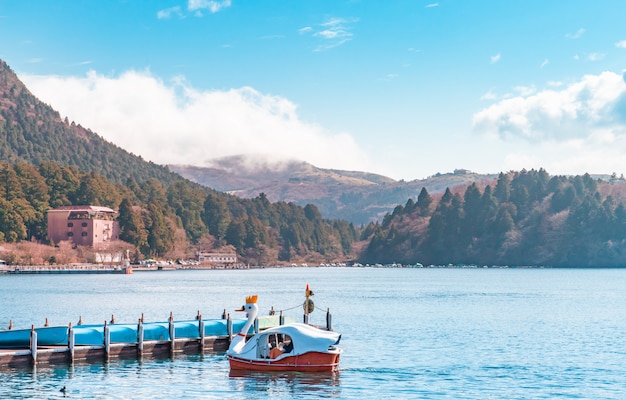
(93, 335)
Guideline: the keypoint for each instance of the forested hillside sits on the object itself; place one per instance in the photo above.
(526, 218)
(32, 131)
(171, 221)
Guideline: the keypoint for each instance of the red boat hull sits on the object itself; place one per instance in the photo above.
(308, 362)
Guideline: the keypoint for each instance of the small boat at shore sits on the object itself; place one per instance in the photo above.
(290, 347)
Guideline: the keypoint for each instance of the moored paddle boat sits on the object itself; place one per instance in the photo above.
(291, 347)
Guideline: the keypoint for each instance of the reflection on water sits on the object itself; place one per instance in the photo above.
(318, 384)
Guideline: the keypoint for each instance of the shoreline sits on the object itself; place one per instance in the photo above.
(128, 270)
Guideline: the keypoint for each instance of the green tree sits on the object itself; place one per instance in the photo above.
(216, 216)
(188, 204)
(132, 229)
(424, 202)
(12, 225)
(160, 235)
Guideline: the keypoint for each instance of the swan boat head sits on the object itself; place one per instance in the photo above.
(251, 310)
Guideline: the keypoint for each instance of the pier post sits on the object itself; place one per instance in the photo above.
(10, 325)
(329, 320)
(107, 340)
(46, 324)
(306, 318)
(201, 332)
(172, 331)
(71, 340)
(281, 318)
(229, 328)
(33, 344)
(140, 338)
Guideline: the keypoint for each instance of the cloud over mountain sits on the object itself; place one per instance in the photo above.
(174, 123)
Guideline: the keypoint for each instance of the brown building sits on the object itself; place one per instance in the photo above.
(83, 225)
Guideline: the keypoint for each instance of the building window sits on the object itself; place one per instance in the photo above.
(84, 224)
(70, 224)
(70, 234)
(84, 234)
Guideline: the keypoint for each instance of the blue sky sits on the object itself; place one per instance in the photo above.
(398, 87)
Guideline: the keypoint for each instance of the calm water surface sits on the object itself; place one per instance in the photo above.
(407, 333)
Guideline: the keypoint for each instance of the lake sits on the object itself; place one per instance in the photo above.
(406, 333)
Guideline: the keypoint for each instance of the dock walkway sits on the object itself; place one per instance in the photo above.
(98, 343)
(93, 343)
(64, 269)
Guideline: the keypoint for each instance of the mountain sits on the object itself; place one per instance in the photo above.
(33, 132)
(238, 173)
(358, 197)
(46, 162)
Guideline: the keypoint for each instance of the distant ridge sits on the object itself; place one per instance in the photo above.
(241, 173)
(358, 197)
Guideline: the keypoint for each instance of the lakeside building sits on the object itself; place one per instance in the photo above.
(218, 259)
(83, 225)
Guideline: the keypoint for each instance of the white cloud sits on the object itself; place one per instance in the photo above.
(544, 63)
(177, 124)
(596, 56)
(578, 128)
(495, 59)
(212, 5)
(334, 32)
(389, 77)
(576, 156)
(168, 12)
(578, 110)
(621, 44)
(525, 90)
(304, 30)
(576, 35)
(195, 7)
(431, 5)
(490, 95)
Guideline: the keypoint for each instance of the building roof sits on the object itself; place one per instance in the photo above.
(84, 208)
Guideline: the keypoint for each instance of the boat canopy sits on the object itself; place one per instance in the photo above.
(305, 338)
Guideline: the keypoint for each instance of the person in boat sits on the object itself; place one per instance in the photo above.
(286, 346)
(266, 348)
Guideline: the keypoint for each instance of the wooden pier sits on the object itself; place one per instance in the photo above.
(168, 345)
(211, 336)
(65, 269)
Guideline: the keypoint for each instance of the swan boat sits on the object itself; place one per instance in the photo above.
(290, 347)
